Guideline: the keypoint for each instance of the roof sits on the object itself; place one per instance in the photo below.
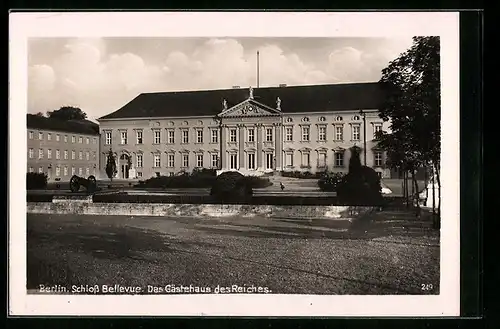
(294, 99)
(71, 126)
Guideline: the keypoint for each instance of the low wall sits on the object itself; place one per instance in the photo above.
(196, 210)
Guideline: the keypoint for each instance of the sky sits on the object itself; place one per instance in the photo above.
(101, 75)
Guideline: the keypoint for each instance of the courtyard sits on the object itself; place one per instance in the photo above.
(388, 252)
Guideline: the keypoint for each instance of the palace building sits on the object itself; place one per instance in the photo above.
(286, 128)
(61, 149)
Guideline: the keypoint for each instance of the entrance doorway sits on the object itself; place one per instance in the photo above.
(124, 166)
(269, 161)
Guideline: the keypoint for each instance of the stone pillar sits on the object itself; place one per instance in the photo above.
(278, 146)
(259, 146)
(241, 145)
(223, 143)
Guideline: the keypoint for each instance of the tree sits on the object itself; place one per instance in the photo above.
(68, 113)
(40, 114)
(413, 91)
(111, 165)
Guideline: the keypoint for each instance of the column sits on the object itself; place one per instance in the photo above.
(241, 145)
(259, 146)
(223, 144)
(279, 146)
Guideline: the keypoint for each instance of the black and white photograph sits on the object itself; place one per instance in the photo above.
(234, 163)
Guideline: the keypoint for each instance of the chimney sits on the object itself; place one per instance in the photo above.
(282, 85)
(236, 87)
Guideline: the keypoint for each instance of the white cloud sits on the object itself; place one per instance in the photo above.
(87, 75)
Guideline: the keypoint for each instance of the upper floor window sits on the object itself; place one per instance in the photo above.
(157, 137)
(107, 140)
(49, 136)
(289, 134)
(251, 135)
(40, 136)
(356, 118)
(123, 137)
(65, 138)
(269, 134)
(215, 136)
(355, 133)
(339, 133)
(30, 153)
(322, 119)
(58, 138)
(157, 161)
(139, 160)
(49, 154)
(322, 133)
(87, 140)
(185, 136)
(73, 139)
(30, 135)
(58, 154)
(40, 154)
(199, 136)
(138, 135)
(232, 135)
(305, 134)
(305, 119)
(80, 140)
(376, 129)
(171, 136)
(289, 119)
(338, 118)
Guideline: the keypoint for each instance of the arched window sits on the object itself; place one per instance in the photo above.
(305, 119)
(289, 119)
(322, 119)
(356, 118)
(338, 118)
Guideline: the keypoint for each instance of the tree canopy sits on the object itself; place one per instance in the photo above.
(412, 104)
(67, 113)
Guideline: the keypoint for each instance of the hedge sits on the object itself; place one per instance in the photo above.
(36, 181)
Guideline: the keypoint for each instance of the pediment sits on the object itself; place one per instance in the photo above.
(249, 108)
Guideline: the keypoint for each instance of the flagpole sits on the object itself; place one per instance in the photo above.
(258, 69)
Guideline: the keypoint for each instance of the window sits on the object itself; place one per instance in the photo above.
(139, 174)
(65, 171)
(49, 154)
(30, 169)
(80, 140)
(378, 159)
(157, 137)
(356, 118)
(49, 136)
(306, 159)
(199, 160)
(289, 119)
(376, 129)
(289, 159)
(40, 136)
(40, 154)
(339, 159)
(215, 160)
(355, 133)
(322, 119)
(233, 161)
(87, 155)
(40, 170)
(139, 160)
(65, 138)
(94, 155)
(269, 134)
(138, 136)
(251, 135)
(171, 136)
(30, 135)
(58, 138)
(339, 118)
(80, 171)
(80, 155)
(251, 160)
(321, 160)
(65, 154)
(108, 138)
(289, 134)
(199, 136)
(73, 155)
(215, 136)
(87, 141)
(58, 155)
(305, 119)
(339, 133)
(185, 160)
(94, 140)
(157, 161)
(322, 133)
(123, 137)
(269, 161)
(305, 134)
(30, 153)
(87, 171)
(171, 160)
(185, 136)
(58, 171)
(72, 171)
(232, 135)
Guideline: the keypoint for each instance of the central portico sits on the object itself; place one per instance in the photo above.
(251, 136)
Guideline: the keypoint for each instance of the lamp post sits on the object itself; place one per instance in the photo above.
(364, 134)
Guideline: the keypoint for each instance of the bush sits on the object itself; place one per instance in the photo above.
(258, 182)
(232, 186)
(36, 181)
(360, 187)
(302, 174)
(182, 181)
(329, 181)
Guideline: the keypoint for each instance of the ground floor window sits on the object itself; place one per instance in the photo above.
(321, 160)
(251, 160)
(87, 171)
(215, 160)
(157, 161)
(80, 171)
(40, 170)
(306, 159)
(185, 160)
(199, 160)
(58, 171)
(65, 171)
(339, 159)
(289, 159)
(378, 159)
(269, 161)
(139, 174)
(139, 161)
(171, 160)
(30, 169)
(233, 161)
(72, 170)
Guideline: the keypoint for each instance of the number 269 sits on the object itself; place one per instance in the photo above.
(426, 286)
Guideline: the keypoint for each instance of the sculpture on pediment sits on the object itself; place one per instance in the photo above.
(250, 93)
(224, 104)
(278, 104)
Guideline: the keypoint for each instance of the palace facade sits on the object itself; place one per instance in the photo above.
(286, 128)
(61, 149)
